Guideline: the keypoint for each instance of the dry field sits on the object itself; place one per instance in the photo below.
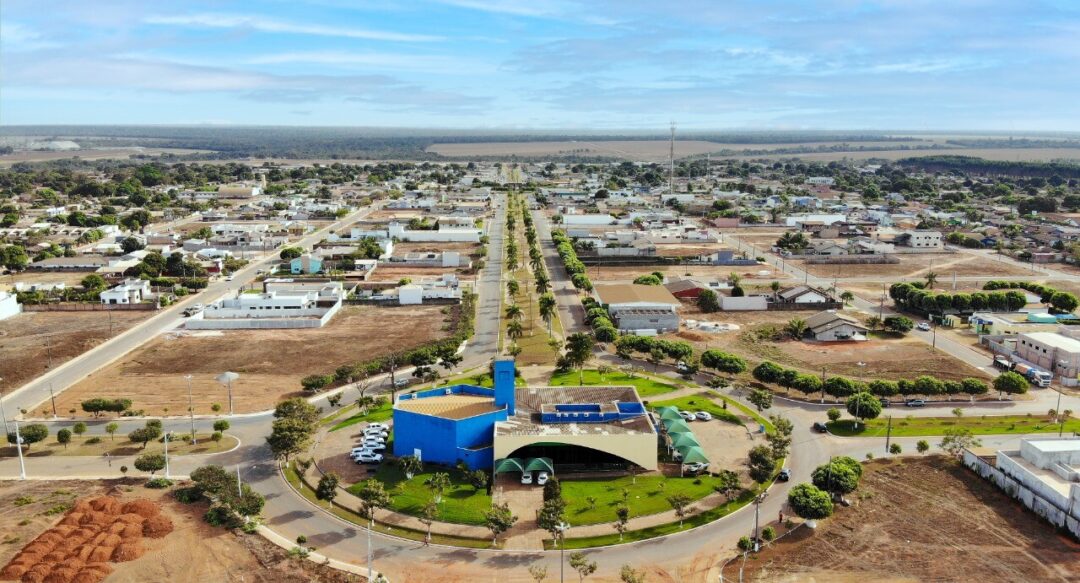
(404, 247)
(27, 340)
(707, 272)
(193, 552)
(916, 266)
(925, 519)
(30, 277)
(270, 362)
(394, 274)
(872, 359)
(91, 154)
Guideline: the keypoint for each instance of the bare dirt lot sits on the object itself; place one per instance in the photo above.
(926, 519)
(27, 340)
(270, 362)
(707, 272)
(71, 278)
(193, 552)
(890, 358)
(91, 154)
(943, 264)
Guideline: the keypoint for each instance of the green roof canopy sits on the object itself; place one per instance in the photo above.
(692, 454)
(684, 439)
(669, 413)
(676, 426)
(540, 464)
(510, 464)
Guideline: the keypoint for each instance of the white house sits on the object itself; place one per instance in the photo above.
(832, 326)
(921, 239)
(590, 219)
(802, 294)
(284, 304)
(9, 305)
(131, 291)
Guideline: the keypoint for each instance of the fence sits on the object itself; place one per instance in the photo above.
(89, 307)
(795, 307)
(850, 259)
(1067, 518)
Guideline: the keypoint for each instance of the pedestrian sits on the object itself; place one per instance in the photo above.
(108, 458)
(781, 517)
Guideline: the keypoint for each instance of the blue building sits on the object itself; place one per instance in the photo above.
(308, 264)
(580, 427)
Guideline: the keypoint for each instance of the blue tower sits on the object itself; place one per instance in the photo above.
(504, 383)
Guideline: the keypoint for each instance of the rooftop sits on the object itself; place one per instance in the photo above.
(1055, 340)
(630, 293)
(530, 401)
(454, 406)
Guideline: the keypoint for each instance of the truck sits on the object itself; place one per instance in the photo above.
(1002, 363)
(1039, 378)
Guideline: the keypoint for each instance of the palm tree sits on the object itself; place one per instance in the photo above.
(547, 309)
(514, 312)
(543, 284)
(931, 279)
(874, 322)
(796, 327)
(734, 279)
(775, 286)
(847, 297)
(513, 287)
(514, 330)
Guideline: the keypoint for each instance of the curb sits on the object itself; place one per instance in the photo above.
(318, 558)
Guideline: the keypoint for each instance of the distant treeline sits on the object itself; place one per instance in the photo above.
(969, 164)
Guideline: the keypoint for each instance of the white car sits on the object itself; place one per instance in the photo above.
(924, 326)
(375, 433)
(687, 415)
(541, 478)
(382, 426)
(526, 477)
(230, 277)
(704, 416)
(696, 467)
(369, 457)
(373, 445)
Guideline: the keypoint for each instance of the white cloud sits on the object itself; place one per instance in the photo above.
(16, 37)
(376, 60)
(261, 24)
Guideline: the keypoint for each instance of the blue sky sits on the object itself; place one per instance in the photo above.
(597, 64)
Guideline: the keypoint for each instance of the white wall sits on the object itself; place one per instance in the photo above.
(9, 306)
(745, 303)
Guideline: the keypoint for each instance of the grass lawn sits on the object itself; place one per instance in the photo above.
(646, 387)
(534, 343)
(700, 402)
(121, 446)
(647, 496)
(308, 493)
(929, 426)
(710, 515)
(461, 503)
(373, 415)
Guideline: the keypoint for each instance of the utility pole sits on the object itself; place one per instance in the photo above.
(1061, 418)
(48, 347)
(52, 398)
(191, 409)
(166, 454)
(888, 434)
(822, 384)
(18, 445)
(2, 413)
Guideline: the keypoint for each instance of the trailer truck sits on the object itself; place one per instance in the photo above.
(1039, 378)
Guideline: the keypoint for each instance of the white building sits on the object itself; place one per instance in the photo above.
(591, 219)
(921, 239)
(821, 181)
(1057, 353)
(284, 303)
(132, 291)
(1044, 475)
(9, 305)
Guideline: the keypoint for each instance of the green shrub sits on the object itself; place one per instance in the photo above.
(768, 534)
(159, 483)
(93, 441)
(188, 495)
(745, 544)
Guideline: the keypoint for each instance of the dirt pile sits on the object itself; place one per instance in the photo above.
(92, 534)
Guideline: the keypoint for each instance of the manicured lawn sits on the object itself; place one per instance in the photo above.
(647, 496)
(700, 402)
(307, 492)
(373, 415)
(929, 426)
(660, 530)
(461, 503)
(646, 387)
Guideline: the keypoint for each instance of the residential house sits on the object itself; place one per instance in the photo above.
(686, 289)
(131, 291)
(832, 326)
(803, 294)
(306, 263)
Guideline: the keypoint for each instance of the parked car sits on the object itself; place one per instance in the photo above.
(884, 402)
(230, 277)
(376, 433)
(401, 383)
(696, 468)
(526, 478)
(382, 426)
(368, 458)
(542, 478)
(924, 326)
(784, 475)
(681, 366)
(915, 403)
(374, 445)
(687, 415)
(820, 427)
(704, 416)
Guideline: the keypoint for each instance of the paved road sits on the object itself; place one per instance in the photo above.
(78, 368)
(571, 313)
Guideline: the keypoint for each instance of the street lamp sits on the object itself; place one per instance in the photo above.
(18, 445)
(757, 510)
(191, 409)
(561, 529)
(2, 413)
(227, 378)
